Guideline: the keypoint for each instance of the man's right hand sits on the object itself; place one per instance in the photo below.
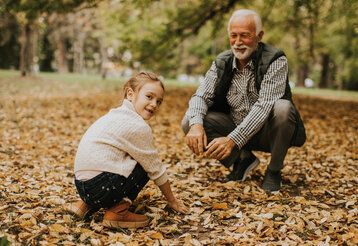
(196, 139)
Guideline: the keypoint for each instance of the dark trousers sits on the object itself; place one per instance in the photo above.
(274, 136)
(108, 189)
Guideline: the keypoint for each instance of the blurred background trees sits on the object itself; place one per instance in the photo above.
(175, 37)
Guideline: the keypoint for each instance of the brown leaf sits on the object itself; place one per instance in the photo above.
(222, 205)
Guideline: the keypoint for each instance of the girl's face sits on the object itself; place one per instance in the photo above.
(147, 99)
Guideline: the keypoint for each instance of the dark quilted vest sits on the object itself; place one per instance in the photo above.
(262, 59)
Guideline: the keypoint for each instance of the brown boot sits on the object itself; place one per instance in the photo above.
(118, 216)
(79, 208)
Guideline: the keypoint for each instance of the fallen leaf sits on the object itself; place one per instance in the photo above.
(222, 205)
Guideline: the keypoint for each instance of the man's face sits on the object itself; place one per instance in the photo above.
(242, 36)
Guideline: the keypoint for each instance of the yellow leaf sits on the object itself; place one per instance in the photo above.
(247, 189)
(156, 235)
(58, 228)
(67, 218)
(222, 205)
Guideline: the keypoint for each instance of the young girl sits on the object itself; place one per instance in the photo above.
(116, 157)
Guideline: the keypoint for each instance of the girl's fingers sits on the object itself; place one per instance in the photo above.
(183, 209)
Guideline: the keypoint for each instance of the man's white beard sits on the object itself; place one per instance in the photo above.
(247, 53)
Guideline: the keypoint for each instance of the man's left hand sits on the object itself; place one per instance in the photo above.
(219, 148)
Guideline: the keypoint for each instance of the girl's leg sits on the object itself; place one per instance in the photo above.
(81, 208)
(118, 215)
(113, 191)
(135, 182)
(108, 189)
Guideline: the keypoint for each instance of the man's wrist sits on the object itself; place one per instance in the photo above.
(231, 143)
(197, 126)
(195, 120)
(232, 140)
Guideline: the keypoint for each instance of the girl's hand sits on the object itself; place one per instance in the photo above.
(178, 206)
(173, 203)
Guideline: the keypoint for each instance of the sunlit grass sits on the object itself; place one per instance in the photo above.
(327, 93)
(12, 83)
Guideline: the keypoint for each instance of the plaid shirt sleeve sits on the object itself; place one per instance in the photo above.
(203, 97)
(272, 88)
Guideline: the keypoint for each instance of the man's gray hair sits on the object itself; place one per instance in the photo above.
(247, 12)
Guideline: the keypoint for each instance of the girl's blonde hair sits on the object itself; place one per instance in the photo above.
(138, 80)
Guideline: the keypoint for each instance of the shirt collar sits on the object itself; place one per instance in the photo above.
(249, 65)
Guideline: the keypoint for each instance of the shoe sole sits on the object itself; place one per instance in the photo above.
(123, 224)
(252, 166)
(274, 191)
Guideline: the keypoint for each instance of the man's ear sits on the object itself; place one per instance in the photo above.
(130, 94)
(261, 34)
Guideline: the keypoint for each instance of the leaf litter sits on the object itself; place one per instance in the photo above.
(316, 206)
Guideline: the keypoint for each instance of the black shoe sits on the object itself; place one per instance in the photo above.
(243, 167)
(272, 181)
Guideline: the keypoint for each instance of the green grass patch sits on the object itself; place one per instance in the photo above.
(327, 93)
(11, 83)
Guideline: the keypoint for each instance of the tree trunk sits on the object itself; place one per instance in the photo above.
(47, 54)
(62, 63)
(104, 58)
(324, 80)
(27, 48)
(302, 74)
(78, 55)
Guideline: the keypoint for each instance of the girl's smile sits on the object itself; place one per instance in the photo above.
(147, 100)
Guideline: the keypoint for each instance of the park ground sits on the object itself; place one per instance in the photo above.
(42, 119)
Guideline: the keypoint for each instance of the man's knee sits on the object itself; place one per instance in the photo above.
(215, 119)
(212, 119)
(283, 112)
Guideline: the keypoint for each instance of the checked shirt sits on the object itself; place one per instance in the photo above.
(249, 108)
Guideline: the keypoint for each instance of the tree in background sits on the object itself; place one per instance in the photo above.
(9, 46)
(70, 36)
(155, 31)
(27, 13)
(175, 36)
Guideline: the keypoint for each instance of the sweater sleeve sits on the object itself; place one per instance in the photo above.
(138, 142)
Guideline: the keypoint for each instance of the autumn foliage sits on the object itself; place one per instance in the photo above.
(317, 204)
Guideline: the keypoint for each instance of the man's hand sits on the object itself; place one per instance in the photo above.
(219, 148)
(196, 139)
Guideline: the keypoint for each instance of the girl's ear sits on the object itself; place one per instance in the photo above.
(130, 94)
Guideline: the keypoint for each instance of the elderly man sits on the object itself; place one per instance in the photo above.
(245, 104)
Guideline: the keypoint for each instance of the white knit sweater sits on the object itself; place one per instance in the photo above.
(115, 143)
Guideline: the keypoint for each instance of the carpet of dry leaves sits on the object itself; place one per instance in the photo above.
(316, 206)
